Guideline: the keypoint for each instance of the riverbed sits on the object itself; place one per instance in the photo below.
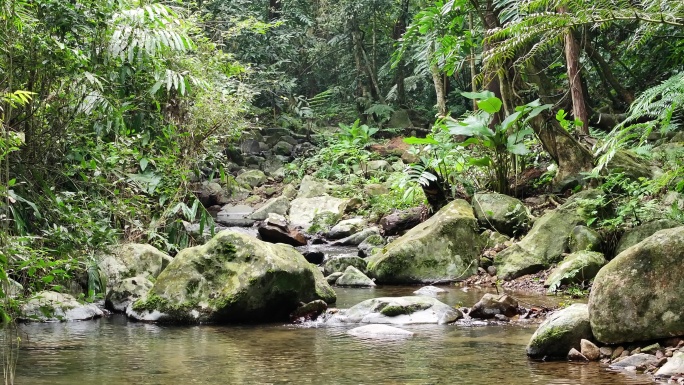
(113, 350)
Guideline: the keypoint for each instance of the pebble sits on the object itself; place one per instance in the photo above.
(589, 350)
(617, 352)
(574, 355)
(606, 351)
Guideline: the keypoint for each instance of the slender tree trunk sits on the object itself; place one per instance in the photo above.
(274, 9)
(361, 56)
(473, 83)
(437, 81)
(579, 107)
(398, 32)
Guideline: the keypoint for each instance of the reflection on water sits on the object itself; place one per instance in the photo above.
(115, 351)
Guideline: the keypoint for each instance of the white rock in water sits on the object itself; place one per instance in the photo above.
(379, 331)
(429, 290)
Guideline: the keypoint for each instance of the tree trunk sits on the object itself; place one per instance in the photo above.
(437, 81)
(604, 69)
(579, 107)
(274, 9)
(398, 32)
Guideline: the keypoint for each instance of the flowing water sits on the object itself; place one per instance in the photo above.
(115, 351)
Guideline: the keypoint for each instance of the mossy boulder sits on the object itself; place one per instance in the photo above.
(502, 213)
(639, 295)
(355, 278)
(546, 242)
(370, 244)
(232, 278)
(131, 260)
(575, 268)
(252, 178)
(583, 238)
(339, 263)
(304, 212)
(400, 311)
(51, 306)
(126, 292)
(446, 247)
(637, 234)
(561, 331)
(631, 165)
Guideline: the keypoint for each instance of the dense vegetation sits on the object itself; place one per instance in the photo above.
(110, 108)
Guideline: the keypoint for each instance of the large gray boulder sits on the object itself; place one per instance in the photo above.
(303, 211)
(346, 228)
(126, 292)
(637, 234)
(575, 268)
(232, 278)
(311, 187)
(252, 178)
(673, 367)
(546, 242)
(491, 305)
(639, 295)
(353, 277)
(51, 306)
(502, 213)
(235, 215)
(446, 247)
(339, 263)
(399, 311)
(131, 260)
(279, 205)
(561, 331)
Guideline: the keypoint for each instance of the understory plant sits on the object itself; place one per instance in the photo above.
(476, 145)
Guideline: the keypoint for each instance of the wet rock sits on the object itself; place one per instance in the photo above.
(133, 259)
(639, 360)
(358, 238)
(304, 210)
(371, 243)
(346, 228)
(502, 213)
(575, 268)
(545, 243)
(332, 278)
(211, 193)
(429, 291)
(589, 350)
(314, 256)
(617, 352)
(235, 215)
(309, 311)
(12, 288)
(605, 351)
(639, 233)
(673, 367)
(274, 234)
(583, 238)
(126, 292)
(379, 331)
(490, 305)
(446, 247)
(574, 355)
(398, 222)
(232, 278)
(638, 296)
(283, 148)
(50, 306)
(252, 178)
(279, 205)
(399, 311)
(277, 220)
(353, 277)
(561, 331)
(311, 187)
(341, 262)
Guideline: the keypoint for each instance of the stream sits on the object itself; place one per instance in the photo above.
(113, 350)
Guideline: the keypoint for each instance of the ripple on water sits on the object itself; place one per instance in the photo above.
(115, 351)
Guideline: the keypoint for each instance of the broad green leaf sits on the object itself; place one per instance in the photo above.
(491, 105)
(517, 149)
(418, 141)
(143, 163)
(510, 119)
(478, 95)
(480, 162)
(470, 126)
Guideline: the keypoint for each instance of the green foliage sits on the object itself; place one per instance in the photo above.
(495, 148)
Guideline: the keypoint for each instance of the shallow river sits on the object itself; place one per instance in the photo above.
(115, 351)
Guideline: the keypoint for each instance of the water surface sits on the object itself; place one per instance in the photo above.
(115, 351)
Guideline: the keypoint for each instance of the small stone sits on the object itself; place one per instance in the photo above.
(659, 354)
(589, 350)
(574, 355)
(635, 351)
(624, 354)
(332, 278)
(491, 270)
(661, 361)
(606, 351)
(617, 352)
(651, 349)
(501, 318)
